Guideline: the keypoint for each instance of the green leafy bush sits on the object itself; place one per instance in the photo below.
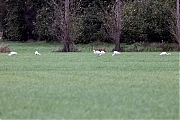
(146, 21)
(43, 23)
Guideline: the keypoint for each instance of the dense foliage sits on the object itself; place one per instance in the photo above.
(142, 20)
(146, 21)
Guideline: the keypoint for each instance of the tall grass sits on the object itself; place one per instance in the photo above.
(81, 85)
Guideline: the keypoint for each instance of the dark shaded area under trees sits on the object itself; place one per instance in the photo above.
(89, 21)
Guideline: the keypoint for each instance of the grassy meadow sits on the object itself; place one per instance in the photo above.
(81, 85)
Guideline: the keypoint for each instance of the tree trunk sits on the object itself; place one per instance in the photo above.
(66, 32)
(118, 27)
(178, 24)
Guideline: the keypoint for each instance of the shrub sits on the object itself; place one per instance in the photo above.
(4, 48)
(146, 21)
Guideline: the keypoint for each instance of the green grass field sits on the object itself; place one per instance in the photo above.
(81, 85)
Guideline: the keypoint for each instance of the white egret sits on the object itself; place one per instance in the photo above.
(102, 52)
(37, 53)
(115, 53)
(12, 53)
(165, 53)
(99, 53)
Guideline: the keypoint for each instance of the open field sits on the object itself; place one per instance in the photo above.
(81, 85)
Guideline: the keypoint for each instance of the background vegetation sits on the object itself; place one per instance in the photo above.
(142, 20)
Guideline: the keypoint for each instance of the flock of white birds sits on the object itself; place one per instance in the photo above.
(15, 53)
(99, 53)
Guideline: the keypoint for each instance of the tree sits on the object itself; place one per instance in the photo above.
(61, 22)
(110, 15)
(118, 27)
(178, 24)
(66, 39)
(2, 14)
(43, 23)
(19, 20)
(91, 24)
(146, 21)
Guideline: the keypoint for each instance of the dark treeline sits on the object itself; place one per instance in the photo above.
(90, 20)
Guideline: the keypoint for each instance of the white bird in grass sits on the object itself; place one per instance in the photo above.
(165, 53)
(115, 53)
(102, 52)
(37, 53)
(12, 53)
(99, 53)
